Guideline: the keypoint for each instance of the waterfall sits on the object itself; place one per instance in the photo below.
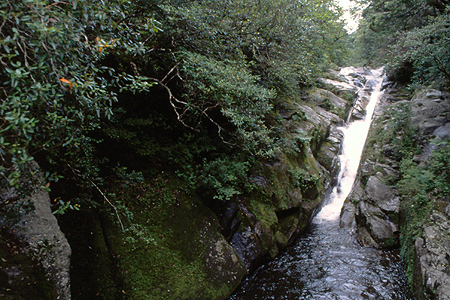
(327, 263)
(355, 135)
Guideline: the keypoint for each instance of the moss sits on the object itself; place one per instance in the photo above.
(389, 243)
(281, 239)
(278, 187)
(354, 201)
(348, 96)
(264, 213)
(162, 255)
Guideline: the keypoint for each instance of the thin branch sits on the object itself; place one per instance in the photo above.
(109, 202)
(171, 70)
(56, 3)
(172, 98)
(77, 173)
(53, 65)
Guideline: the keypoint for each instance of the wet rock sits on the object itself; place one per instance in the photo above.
(327, 155)
(382, 231)
(376, 213)
(248, 248)
(347, 218)
(327, 98)
(228, 220)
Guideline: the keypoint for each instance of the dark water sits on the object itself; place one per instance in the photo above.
(327, 263)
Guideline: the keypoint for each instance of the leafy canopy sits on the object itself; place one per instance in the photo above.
(78, 75)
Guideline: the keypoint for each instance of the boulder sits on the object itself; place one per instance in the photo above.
(337, 84)
(379, 194)
(42, 239)
(247, 246)
(327, 155)
(222, 263)
(347, 217)
(376, 213)
(430, 110)
(383, 231)
(324, 97)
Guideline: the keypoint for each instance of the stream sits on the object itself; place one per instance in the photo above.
(327, 262)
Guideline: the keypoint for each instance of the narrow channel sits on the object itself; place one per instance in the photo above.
(327, 262)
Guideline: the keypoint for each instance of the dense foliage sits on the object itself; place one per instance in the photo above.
(412, 37)
(140, 112)
(170, 84)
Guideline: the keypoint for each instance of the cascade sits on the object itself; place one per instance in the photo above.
(327, 263)
(355, 134)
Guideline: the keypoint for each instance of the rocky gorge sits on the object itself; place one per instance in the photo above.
(194, 246)
(382, 209)
(199, 250)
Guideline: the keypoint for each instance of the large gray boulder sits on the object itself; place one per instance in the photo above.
(43, 240)
(382, 231)
(374, 209)
(379, 194)
(324, 97)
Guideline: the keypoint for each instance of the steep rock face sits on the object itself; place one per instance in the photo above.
(432, 258)
(374, 209)
(429, 111)
(43, 242)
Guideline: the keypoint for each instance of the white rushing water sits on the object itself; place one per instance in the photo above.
(355, 134)
(326, 263)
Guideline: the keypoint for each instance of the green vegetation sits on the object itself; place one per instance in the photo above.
(410, 36)
(135, 110)
(168, 81)
(422, 187)
(412, 39)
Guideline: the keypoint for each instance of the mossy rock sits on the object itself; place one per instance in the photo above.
(281, 239)
(173, 252)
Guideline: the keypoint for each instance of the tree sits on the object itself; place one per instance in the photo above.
(206, 64)
(406, 33)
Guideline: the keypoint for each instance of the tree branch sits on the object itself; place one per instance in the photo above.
(77, 173)
(173, 99)
(109, 202)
